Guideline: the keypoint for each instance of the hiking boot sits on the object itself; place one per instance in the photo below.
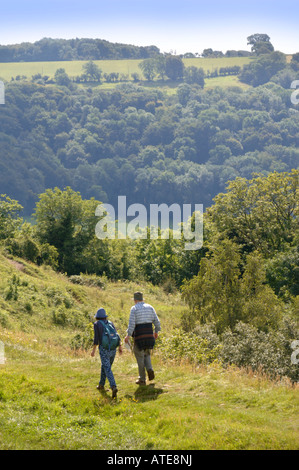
(100, 387)
(151, 374)
(140, 382)
(114, 392)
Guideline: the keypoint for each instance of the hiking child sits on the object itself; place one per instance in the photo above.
(107, 339)
(141, 321)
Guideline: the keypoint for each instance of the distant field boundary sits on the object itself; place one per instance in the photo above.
(126, 67)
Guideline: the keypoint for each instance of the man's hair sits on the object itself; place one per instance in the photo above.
(138, 296)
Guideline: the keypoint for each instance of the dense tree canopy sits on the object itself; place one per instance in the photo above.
(73, 49)
(141, 143)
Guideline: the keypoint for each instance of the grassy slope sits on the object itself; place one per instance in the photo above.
(48, 398)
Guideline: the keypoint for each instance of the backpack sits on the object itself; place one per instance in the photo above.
(110, 338)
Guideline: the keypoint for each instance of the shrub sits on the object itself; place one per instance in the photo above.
(188, 346)
(58, 297)
(248, 347)
(60, 316)
(11, 293)
(28, 307)
(83, 340)
(4, 319)
(88, 280)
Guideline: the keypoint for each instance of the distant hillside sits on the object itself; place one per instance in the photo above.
(136, 141)
(48, 49)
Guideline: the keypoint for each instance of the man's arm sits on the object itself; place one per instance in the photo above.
(156, 323)
(132, 324)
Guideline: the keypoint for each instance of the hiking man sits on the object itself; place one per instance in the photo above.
(107, 349)
(142, 318)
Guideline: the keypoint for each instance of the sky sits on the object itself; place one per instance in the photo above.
(176, 26)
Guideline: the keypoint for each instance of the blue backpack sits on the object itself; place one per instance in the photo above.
(110, 338)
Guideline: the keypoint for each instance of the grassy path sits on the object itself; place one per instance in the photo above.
(51, 402)
(48, 396)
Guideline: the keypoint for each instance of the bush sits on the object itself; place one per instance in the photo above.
(243, 346)
(248, 347)
(83, 340)
(28, 307)
(88, 280)
(11, 293)
(4, 319)
(188, 346)
(60, 316)
(57, 297)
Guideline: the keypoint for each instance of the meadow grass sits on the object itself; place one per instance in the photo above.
(48, 396)
(126, 67)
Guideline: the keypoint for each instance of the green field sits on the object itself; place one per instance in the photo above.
(126, 67)
(48, 396)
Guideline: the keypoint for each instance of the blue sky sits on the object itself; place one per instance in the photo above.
(177, 25)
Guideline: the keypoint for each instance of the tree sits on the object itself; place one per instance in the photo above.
(160, 66)
(214, 294)
(61, 77)
(224, 292)
(135, 76)
(92, 71)
(259, 214)
(263, 68)
(207, 52)
(174, 67)
(10, 221)
(67, 222)
(283, 273)
(262, 48)
(194, 75)
(260, 43)
(148, 68)
(295, 62)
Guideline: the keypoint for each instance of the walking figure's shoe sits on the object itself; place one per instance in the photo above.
(151, 374)
(114, 392)
(100, 387)
(140, 382)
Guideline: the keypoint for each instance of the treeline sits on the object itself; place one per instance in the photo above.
(173, 68)
(48, 49)
(250, 230)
